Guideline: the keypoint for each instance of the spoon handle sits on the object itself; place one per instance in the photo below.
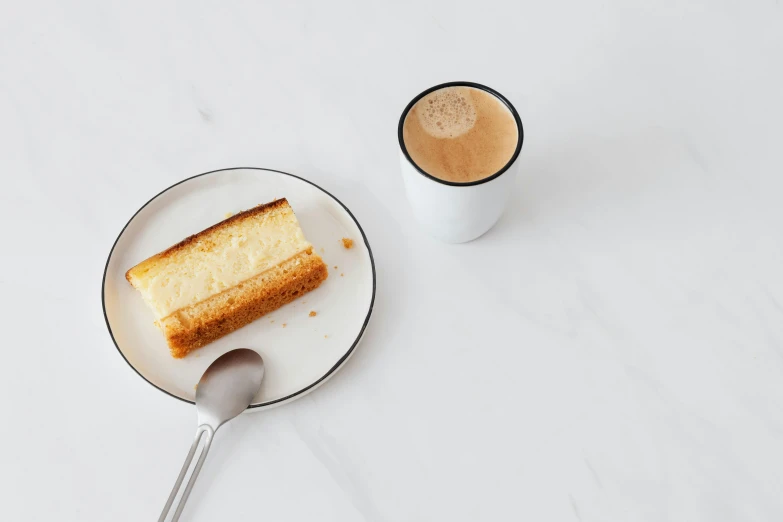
(203, 429)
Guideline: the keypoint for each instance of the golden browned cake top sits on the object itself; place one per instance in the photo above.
(240, 216)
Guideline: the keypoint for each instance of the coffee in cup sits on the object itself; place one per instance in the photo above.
(460, 134)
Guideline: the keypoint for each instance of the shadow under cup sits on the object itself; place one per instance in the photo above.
(451, 211)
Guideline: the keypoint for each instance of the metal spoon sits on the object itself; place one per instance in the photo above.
(224, 391)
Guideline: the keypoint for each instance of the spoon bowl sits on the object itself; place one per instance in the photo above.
(228, 386)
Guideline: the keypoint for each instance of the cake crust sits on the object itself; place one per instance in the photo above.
(195, 326)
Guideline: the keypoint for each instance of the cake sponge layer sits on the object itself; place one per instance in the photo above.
(202, 323)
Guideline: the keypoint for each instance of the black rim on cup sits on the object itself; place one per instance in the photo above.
(484, 88)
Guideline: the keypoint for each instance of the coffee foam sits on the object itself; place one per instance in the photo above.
(447, 113)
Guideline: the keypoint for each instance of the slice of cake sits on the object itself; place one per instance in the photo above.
(228, 275)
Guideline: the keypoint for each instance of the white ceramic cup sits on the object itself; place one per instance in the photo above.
(457, 212)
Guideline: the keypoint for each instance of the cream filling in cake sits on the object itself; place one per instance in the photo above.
(224, 259)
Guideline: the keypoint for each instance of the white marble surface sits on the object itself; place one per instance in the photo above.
(611, 351)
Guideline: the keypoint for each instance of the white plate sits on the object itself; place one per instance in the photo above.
(300, 352)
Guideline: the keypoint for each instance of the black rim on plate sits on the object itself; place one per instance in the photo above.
(266, 403)
(484, 88)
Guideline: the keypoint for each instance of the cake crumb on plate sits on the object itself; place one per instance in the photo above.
(313, 313)
(347, 243)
